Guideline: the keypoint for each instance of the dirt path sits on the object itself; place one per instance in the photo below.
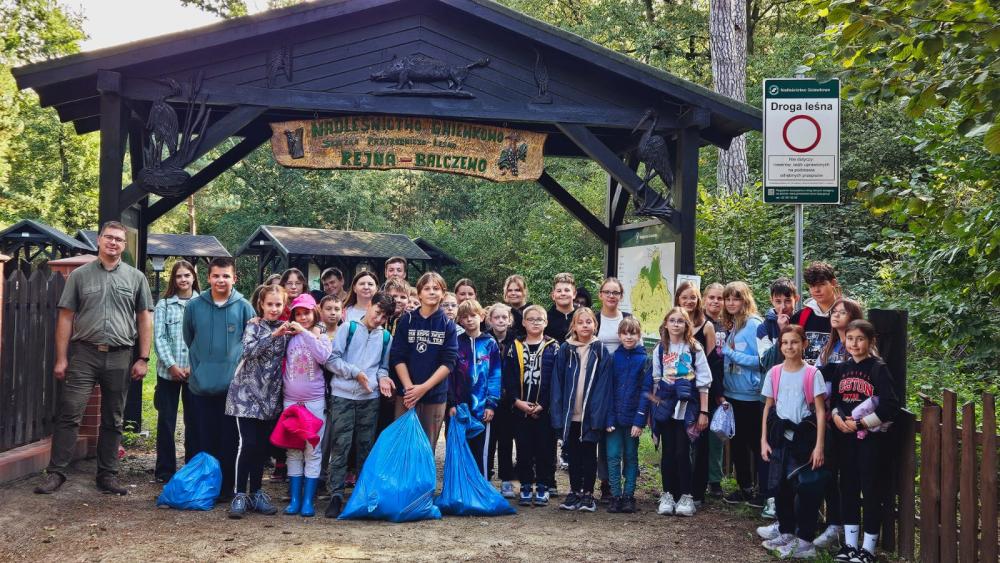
(80, 524)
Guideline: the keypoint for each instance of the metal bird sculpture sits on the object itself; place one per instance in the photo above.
(653, 152)
(162, 123)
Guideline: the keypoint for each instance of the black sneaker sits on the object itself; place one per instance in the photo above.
(587, 503)
(571, 502)
(615, 506)
(739, 496)
(863, 556)
(757, 501)
(846, 554)
(715, 490)
(335, 507)
(628, 504)
(50, 483)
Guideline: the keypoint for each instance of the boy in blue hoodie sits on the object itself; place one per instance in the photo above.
(423, 353)
(629, 366)
(476, 381)
(213, 332)
(359, 362)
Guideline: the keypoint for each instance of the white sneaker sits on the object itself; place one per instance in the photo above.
(667, 504)
(777, 542)
(829, 539)
(797, 549)
(769, 532)
(769, 512)
(685, 506)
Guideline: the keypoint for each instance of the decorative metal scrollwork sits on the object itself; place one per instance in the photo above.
(654, 153)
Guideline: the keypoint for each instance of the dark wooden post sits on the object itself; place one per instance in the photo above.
(686, 193)
(113, 135)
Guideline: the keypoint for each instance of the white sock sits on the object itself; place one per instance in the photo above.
(870, 541)
(851, 532)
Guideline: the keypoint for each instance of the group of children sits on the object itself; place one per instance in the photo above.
(330, 375)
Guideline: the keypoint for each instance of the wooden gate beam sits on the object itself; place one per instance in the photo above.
(209, 173)
(575, 208)
(686, 193)
(610, 162)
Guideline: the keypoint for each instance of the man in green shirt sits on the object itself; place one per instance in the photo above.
(104, 307)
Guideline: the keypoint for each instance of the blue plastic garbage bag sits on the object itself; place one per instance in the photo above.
(465, 491)
(398, 479)
(195, 486)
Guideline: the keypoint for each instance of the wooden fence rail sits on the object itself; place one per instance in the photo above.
(28, 392)
(949, 501)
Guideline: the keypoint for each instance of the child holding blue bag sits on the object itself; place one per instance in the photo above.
(677, 398)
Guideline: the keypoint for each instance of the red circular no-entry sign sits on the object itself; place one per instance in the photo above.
(784, 133)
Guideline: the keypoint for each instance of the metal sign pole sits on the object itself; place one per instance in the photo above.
(798, 248)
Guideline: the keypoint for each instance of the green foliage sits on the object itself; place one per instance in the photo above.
(925, 53)
(47, 171)
(222, 8)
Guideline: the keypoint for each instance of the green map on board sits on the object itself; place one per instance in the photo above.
(650, 297)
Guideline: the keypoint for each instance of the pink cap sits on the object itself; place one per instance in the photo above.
(304, 301)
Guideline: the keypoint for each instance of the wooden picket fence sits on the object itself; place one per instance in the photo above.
(945, 498)
(28, 392)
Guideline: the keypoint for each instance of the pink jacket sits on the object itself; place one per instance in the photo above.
(295, 427)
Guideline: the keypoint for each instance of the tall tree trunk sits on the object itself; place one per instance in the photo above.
(728, 43)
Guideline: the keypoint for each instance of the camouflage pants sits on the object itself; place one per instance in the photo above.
(351, 422)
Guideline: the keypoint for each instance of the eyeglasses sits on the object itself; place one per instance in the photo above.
(611, 293)
(534, 321)
(677, 322)
(113, 238)
(450, 305)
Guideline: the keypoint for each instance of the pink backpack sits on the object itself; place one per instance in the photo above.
(807, 383)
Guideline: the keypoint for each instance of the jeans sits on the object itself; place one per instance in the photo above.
(251, 453)
(89, 367)
(745, 445)
(502, 442)
(307, 461)
(675, 458)
(623, 458)
(166, 398)
(582, 461)
(536, 450)
(217, 434)
(351, 422)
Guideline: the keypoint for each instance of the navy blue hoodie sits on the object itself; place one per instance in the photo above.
(596, 390)
(425, 344)
(628, 372)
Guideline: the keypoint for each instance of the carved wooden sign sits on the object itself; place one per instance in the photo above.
(382, 142)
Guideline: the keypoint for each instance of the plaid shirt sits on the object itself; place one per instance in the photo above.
(168, 337)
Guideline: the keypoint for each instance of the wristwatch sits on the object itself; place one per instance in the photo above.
(706, 413)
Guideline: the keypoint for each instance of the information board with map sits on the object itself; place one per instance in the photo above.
(647, 264)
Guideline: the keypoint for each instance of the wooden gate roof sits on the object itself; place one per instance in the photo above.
(316, 59)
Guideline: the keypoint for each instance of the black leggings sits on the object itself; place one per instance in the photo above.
(251, 453)
(860, 464)
(745, 445)
(675, 458)
(582, 461)
(797, 507)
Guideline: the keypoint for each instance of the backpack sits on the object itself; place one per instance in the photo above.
(773, 355)
(807, 383)
(353, 327)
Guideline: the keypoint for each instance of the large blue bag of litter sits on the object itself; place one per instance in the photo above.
(398, 479)
(195, 486)
(465, 491)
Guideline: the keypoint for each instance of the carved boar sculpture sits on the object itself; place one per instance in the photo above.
(406, 70)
